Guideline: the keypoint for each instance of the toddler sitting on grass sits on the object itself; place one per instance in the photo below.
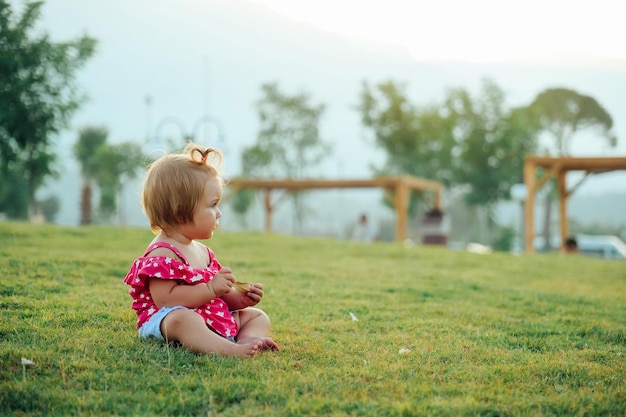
(179, 289)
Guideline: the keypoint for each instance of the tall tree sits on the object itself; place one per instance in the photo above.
(116, 164)
(416, 141)
(492, 143)
(563, 113)
(38, 95)
(90, 139)
(289, 142)
(289, 132)
(475, 144)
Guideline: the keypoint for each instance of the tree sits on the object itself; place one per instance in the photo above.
(288, 142)
(116, 164)
(471, 143)
(562, 114)
(38, 96)
(289, 136)
(90, 139)
(253, 160)
(416, 141)
(492, 143)
(105, 166)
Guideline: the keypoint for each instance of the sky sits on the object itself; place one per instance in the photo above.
(165, 67)
(537, 31)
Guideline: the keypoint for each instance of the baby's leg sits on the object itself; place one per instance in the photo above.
(254, 325)
(188, 328)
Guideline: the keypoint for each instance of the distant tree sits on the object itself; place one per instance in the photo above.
(116, 164)
(38, 96)
(90, 139)
(562, 114)
(288, 143)
(253, 161)
(416, 141)
(474, 144)
(492, 143)
(50, 208)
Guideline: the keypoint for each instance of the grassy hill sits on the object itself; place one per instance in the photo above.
(437, 332)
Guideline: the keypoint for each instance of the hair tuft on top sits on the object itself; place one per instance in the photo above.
(205, 156)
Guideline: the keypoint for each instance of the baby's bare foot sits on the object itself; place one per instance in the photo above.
(244, 350)
(266, 342)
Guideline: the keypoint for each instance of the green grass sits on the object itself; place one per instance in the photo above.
(488, 335)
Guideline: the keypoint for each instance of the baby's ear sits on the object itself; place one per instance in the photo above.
(179, 219)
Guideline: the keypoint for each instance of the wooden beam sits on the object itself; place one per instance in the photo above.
(581, 164)
(401, 186)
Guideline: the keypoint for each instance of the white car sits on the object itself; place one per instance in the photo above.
(601, 246)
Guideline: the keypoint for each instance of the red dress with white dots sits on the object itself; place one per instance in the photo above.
(215, 313)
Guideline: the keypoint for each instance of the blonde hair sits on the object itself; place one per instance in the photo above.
(175, 183)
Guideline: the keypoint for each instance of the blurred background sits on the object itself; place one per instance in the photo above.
(363, 76)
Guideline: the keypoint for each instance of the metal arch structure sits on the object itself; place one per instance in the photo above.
(170, 120)
(398, 189)
(559, 167)
(212, 121)
(194, 133)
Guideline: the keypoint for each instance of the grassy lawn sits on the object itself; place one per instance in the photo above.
(438, 332)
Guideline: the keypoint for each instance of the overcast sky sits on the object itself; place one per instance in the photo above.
(532, 31)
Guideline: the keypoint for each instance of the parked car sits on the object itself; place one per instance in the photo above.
(601, 246)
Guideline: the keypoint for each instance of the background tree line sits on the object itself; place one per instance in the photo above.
(474, 144)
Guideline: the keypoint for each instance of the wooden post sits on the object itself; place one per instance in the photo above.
(268, 209)
(529, 206)
(562, 207)
(437, 204)
(402, 206)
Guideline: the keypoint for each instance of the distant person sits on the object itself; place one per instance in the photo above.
(179, 289)
(361, 231)
(571, 245)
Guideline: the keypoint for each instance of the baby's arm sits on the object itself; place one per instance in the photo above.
(168, 293)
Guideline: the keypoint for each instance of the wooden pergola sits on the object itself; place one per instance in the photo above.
(558, 167)
(398, 188)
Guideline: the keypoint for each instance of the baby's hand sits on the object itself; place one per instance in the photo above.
(256, 292)
(238, 300)
(222, 282)
(253, 295)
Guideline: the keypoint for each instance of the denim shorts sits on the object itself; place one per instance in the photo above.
(152, 328)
